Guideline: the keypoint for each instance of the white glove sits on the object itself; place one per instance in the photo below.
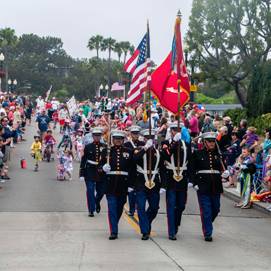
(82, 179)
(106, 168)
(162, 190)
(130, 189)
(148, 144)
(243, 167)
(177, 137)
(196, 188)
(225, 174)
(190, 185)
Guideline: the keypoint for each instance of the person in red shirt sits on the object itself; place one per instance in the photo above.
(49, 140)
(55, 118)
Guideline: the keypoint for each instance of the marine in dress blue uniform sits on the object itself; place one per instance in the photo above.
(132, 144)
(92, 175)
(176, 178)
(117, 170)
(206, 178)
(147, 183)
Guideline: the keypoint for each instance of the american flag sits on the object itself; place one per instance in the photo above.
(117, 87)
(138, 66)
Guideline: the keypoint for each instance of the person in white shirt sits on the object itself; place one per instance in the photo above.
(55, 103)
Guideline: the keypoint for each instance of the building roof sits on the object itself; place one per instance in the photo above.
(221, 107)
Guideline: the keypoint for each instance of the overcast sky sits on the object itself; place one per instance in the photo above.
(75, 21)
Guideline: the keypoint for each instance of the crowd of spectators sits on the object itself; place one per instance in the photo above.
(15, 113)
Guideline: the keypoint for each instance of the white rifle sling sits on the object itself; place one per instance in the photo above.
(144, 170)
(171, 165)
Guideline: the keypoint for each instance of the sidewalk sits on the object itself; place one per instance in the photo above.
(233, 193)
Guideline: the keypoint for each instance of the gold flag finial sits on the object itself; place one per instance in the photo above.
(179, 16)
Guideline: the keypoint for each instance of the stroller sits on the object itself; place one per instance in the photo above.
(60, 166)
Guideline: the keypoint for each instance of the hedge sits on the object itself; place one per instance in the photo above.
(261, 122)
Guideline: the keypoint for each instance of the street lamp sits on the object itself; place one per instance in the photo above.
(2, 57)
(12, 84)
(100, 89)
(106, 88)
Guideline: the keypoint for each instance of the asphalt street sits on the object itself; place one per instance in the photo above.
(44, 226)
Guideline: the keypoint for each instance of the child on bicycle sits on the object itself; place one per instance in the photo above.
(49, 140)
(36, 149)
(66, 141)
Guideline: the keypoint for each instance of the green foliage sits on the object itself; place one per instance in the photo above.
(259, 95)
(60, 94)
(95, 42)
(261, 122)
(215, 89)
(236, 115)
(225, 99)
(38, 62)
(228, 37)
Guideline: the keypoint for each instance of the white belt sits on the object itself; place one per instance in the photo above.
(92, 162)
(209, 171)
(117, 173)
(169, 167)
(141, 170)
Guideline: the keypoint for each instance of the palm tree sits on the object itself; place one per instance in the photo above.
(7, 37)
(118, 49)
(95, 43)
(108, 44)
(125, 48)
(131, 49)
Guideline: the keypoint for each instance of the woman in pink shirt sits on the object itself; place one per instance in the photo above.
(193, 124)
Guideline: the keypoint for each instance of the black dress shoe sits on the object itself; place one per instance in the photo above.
(208, 238)
(172, 237)
(113, 236)
(145, 237)
(98, 208)
(91, 215)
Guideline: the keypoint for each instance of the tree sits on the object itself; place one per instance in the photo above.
(7, 37)
(125, 45)
(40, 61)
(108, 44)
(118, 49)
(227, 38)
(259, 93)
(95, 43)
(131, 49)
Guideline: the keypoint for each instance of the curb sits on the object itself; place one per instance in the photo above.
(236, 198)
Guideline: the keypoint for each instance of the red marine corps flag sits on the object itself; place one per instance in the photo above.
(165, 79)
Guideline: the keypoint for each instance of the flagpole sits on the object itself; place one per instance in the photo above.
(179, 17)
(150, 184)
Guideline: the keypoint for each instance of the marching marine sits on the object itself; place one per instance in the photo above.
(90, 173)
(147, 182)
(207, 166)
(177, 156)
(132, 144)
(116, 162)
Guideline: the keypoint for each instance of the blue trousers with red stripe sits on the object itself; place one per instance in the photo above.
(132, 201)
(115, 209)
(92, 198)
(209, 210)
(176, 201)
(147, 216)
